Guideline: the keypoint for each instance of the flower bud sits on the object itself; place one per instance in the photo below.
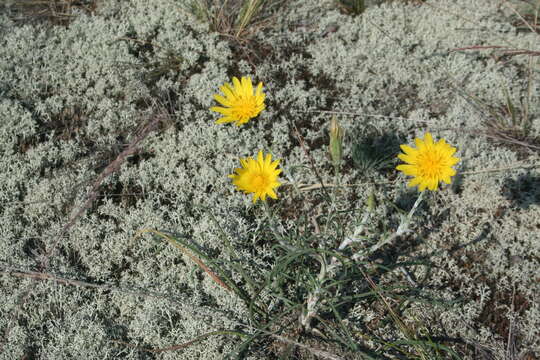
(371, 201)
(336, 141)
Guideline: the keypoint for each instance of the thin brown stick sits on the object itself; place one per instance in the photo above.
(359, 113)
(520, 17)
(93, 193)
(506, 50)
(35, 275)
(20, 272)
(311, 160)
(91, 196)
(522, 166)
(320, 353)
(502, 136)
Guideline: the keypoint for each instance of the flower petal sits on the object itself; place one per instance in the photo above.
(228, 91)
(408, 158)
(237, 85)
(408, 150)
(248, 86)
(223, 101)
(408, 169)
(428, 139)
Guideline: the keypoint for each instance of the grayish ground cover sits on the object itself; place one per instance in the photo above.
(72, 98)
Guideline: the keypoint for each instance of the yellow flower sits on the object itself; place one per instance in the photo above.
(429, 163)
(258, 177)
(241, 104)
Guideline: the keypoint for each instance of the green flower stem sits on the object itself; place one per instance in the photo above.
(403, 228)
(329, 270)
(356, 235)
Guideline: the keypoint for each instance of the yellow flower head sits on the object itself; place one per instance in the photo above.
(258, 177)
(241, 104)
(429, 163)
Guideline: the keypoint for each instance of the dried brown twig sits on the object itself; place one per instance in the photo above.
(19, 272)
(506, 51)
(93, 193)
(91, 196)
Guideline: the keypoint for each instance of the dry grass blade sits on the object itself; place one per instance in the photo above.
(506, 124)
(202, 265)
(57, 12)
(530, 21)
(236, 19)
(249, 9)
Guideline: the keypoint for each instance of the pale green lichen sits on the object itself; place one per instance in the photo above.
(73, 97)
